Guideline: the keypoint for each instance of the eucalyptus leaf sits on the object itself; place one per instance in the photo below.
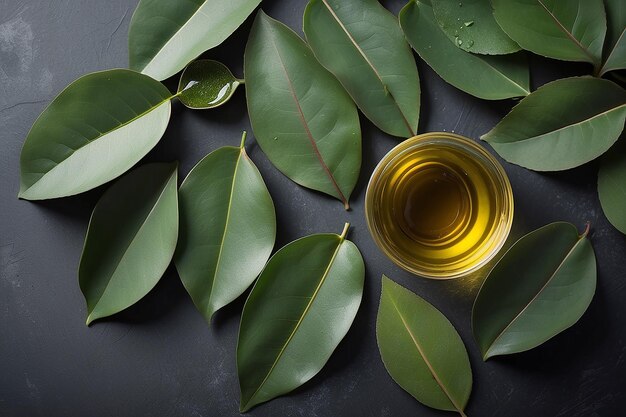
(94, 131)
(615, 44)
(301, 116)
(205, 84)
(562, 124)
(542, 286)
(301, 307)
(612, 186)
(570, 30)
(470, 25)
(130, 240)
(483, 76)
(360, 42)
(165, 35)
(227, 228)
(421, 349)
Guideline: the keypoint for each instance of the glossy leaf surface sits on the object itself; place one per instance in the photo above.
(561, 125)
(541, 286)
(302, 118)
(470, 25)
(612, 186)
(570, 30)
(94, 131)
(165, 35)
(130, 240)
(205, 84)
(615, 45)
(421, 349)
(227, 228)
(360, 42)
(487, 77)
(301, 307)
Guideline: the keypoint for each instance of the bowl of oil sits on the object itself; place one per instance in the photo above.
(439, 205)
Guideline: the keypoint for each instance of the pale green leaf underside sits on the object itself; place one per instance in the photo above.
(421, 350)
(486, 77)
(541, 286)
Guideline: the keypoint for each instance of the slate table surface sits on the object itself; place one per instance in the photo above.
(160, 358)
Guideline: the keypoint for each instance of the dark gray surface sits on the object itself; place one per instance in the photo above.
(159, 358)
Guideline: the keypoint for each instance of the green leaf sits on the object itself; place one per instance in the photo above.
(486, 77)
(360, 42)
(612, 187)
(421, 349)
(561, 125)
(227, 228)
(542, 286)
(470, 25)
(205, 84)
(615, 45)
(165, 35)
(571, 30)
(130, 240)
(301, 116)
(94, 131)
(297, 313)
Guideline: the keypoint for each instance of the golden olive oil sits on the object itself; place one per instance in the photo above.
(439, 205)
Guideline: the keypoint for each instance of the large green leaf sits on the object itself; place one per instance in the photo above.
(301, 116)
(227, 228)
(612, 186)
(570, 30)
(561, 125)
(470, 25)
(360, 42)
(166, 35)
(130, 240)
(487, 77)
(205, 84)
(94, 131)
(541, 286)
(421, 349)
(297, 313)
(615, 45)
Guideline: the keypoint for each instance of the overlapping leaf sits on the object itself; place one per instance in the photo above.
(165, 35)
(612, 186)
(487, 77)
(360, 42)
(95, 130)
(302, 117)
(541, 286)
(421, 349)
(297, 313)
(615, 45)
(561, 125)
(571, 30)
(228, 227)
(205, 84)
(131, 239)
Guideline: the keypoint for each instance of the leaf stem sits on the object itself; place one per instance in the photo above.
(243, 139)
(344, 233)
(241, 80)
(586, 231)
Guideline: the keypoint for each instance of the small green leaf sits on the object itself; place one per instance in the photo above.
(94, 131)
(165, 35)
(205, 84)
(561, 125)
(542, 286)
(570, 30)
(302, 118)
(130, 240)
(470, 25)
(227, 228)
(370, 57)
(421, 349)
(297, 313)
(486, 77)
(615, 45)
(612, 186)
